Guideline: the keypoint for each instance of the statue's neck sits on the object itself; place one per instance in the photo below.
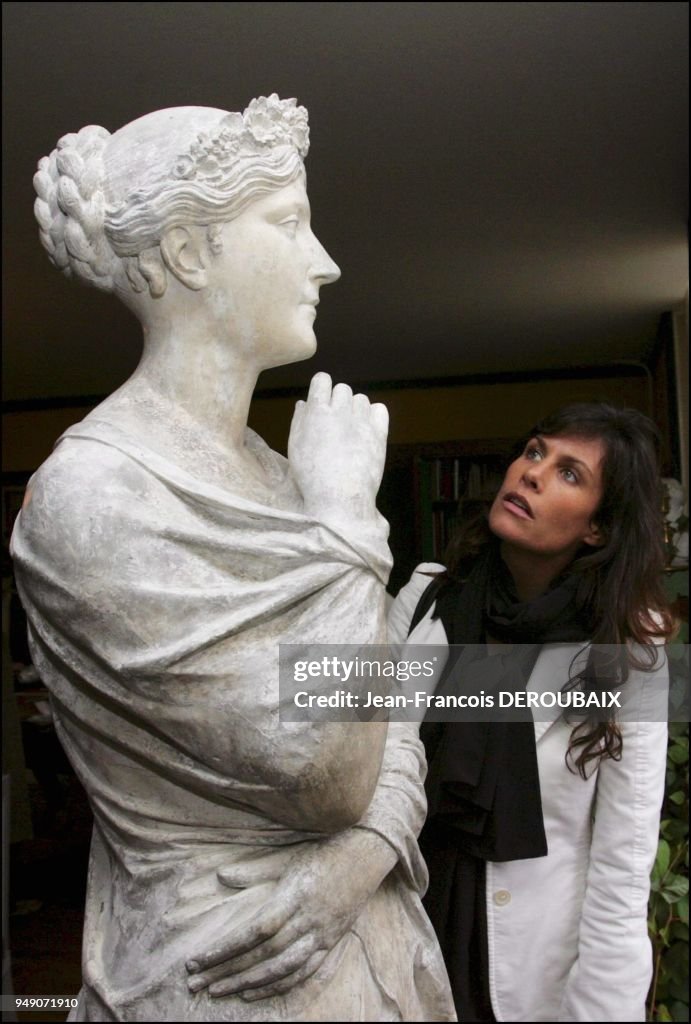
(201, 377)
(189, 400)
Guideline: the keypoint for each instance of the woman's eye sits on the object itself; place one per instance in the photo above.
(533, 453)
(291, 224)
(570, 476)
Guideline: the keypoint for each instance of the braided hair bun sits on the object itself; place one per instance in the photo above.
(70, 208)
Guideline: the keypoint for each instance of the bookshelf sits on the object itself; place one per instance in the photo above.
(423, 491)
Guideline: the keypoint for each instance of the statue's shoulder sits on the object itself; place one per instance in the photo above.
(83, 483)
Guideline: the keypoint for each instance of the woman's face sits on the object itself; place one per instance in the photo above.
(548, 501)
(265, 282)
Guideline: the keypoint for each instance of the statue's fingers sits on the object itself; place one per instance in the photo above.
(238, 877)
(361, 405)
(379, 416)
(268, 972)
(297, 429)
(284, 985)
(196, 982)
(342, 397)
(245, 938)
(238, 965)
(320, 389)
(299, 410)
(251, 872)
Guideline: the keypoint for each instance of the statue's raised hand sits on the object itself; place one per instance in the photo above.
(336, 450)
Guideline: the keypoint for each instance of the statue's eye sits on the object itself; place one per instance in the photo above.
(290, 224)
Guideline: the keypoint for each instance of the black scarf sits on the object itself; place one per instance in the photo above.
(483, 783)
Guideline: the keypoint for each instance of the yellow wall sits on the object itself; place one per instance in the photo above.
(465, 411)
(458, 412)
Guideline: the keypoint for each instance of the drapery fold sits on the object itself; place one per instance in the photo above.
(156, 604)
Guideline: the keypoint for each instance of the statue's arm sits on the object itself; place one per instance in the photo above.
(139, 603)
(325, 886)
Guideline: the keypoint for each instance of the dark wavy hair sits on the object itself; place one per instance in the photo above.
(620, 587)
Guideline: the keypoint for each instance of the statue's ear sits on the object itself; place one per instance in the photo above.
(183, 252)
(147, 270)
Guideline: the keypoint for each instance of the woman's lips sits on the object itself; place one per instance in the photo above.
(517, 505)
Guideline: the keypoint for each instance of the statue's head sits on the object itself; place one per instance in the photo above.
(106, 202)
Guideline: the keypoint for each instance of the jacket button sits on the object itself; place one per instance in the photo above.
(502, 897)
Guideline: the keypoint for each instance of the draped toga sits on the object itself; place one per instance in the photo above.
(156, 603)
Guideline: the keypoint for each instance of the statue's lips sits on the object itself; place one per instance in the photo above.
(517, 505)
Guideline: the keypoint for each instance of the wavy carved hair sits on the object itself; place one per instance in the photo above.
(104, 201)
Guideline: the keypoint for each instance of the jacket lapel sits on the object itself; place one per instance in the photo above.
(556, 663)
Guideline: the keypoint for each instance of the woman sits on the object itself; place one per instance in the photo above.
(162, 553)
(540, 837)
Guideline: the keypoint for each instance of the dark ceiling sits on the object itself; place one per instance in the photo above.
(504, 185)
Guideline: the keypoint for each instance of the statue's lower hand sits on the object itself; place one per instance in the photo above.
(316, 900)
(336, 449)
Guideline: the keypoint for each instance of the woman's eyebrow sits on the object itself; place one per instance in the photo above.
(566, 457)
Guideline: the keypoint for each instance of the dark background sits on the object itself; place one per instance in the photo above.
(504, 185)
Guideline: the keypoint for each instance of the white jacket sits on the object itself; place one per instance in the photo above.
(567, 932)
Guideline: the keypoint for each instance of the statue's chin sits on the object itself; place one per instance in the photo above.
(305, 350)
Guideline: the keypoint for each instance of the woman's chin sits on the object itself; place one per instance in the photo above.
(500, 524)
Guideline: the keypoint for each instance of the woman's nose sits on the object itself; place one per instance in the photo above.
(532, 476)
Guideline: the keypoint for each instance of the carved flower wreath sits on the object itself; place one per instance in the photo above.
(268, 121)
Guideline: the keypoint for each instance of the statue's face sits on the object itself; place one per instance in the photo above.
(266, 280)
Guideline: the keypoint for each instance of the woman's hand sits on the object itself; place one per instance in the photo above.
(317, 899)
(336, 449)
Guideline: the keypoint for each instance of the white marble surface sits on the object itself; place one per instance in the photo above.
(242, 868)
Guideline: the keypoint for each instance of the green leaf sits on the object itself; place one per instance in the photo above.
(674, 828)
(662, 858)
(679, 988)
(661, 911)
(677, 961)
(674, 888)
(668, 907)
(678, 754)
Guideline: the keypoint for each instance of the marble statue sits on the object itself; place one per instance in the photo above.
(241, 868)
